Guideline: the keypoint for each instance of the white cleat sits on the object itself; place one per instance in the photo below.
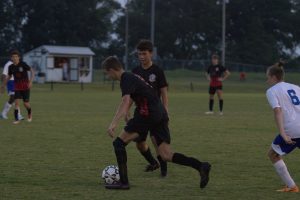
(221, 113)
(3, 116)
(29, 119)
(20, 117)
(209, 113)
(16, 122)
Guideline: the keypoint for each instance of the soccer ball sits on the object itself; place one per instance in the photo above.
(111, 175)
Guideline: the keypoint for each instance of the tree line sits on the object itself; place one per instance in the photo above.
(257, 31)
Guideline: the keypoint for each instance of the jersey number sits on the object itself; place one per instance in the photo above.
(294, 98)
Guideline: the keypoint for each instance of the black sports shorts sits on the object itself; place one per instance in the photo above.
(22, 94)
(158, 129)
(212, 90)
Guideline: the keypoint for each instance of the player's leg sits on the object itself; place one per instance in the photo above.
(212, 91)
(202, 167)
(119, 146)
(8, 104)
(163, 141)
(163, 164)
(26, 97)
(17, 107)
(221, 101)
(277, 150)
(144, 149)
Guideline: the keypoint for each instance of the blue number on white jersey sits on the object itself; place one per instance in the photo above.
(294, 98)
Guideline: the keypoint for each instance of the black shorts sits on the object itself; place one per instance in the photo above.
(212, 90)
(158, 129)
(22, 94)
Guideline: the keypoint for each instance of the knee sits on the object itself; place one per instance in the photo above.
(142, 146)
(166, 155)
(273, 156)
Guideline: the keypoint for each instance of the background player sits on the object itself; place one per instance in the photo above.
(155, 76)
(19, 70)
(284, 98)
(216, 73)
(149, 114)
(10, 92)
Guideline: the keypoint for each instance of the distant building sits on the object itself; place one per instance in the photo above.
(61, 63)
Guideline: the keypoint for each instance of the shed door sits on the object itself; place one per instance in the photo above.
(73, 69)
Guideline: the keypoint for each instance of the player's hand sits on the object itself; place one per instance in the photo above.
(221, 79)
(208, 78)
(288, 140)
(111, 130)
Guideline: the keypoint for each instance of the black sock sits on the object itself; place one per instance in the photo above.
(121, 155)
(221, 105)
(29, 111)
(181, 159)
(163, 164)
(148, 156)
(16, 114)
(211, 104)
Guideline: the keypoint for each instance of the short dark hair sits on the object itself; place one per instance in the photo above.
(277, 70)
(145, 45)
(215, 56)
(111, 62)
(14, 52)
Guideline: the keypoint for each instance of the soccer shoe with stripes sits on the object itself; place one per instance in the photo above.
(287, 189)
(204, 174)
(16, 122)
(117, 186)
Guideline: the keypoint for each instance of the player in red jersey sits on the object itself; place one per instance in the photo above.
(19, 70)
(216, 74)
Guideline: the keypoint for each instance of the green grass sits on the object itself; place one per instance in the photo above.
(61, 154)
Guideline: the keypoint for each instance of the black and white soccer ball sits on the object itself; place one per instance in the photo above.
(111, 175)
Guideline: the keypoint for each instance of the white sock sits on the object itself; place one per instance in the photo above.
(284, 174)
(6, 108)
(19, 113)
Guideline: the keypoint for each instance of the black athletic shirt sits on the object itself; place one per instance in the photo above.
(154, 75)
(20, 74)
(146, 101)
(215, 72)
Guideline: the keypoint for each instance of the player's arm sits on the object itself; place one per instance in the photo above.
(164, 97)
(121, 112)
(279, 122)
(127, 116)
(225, 75)
(31, 77)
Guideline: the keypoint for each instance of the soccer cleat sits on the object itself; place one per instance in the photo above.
(221, 113)
(209, 113)
(29, 118)
(3, 116)
(118, 186)
(20, 117)
(204, 174)
(286, 189)
(151, 168)
(16, 122)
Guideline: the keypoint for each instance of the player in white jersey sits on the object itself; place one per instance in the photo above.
(10, 91)
(284, 98)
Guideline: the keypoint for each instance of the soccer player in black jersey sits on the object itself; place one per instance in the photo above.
(216, 74)
(149, 114)
(156, 78)
(19, 70)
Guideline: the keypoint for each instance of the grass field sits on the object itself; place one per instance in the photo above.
(61, 154)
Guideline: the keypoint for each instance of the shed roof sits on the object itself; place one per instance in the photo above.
(66, 50)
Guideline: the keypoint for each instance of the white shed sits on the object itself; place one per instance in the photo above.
(61, 63)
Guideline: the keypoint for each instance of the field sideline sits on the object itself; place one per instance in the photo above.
(61, 154)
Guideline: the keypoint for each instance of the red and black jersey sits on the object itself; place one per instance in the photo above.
(20, 74)
(215, 72)
(147, 102)
(154, 75)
